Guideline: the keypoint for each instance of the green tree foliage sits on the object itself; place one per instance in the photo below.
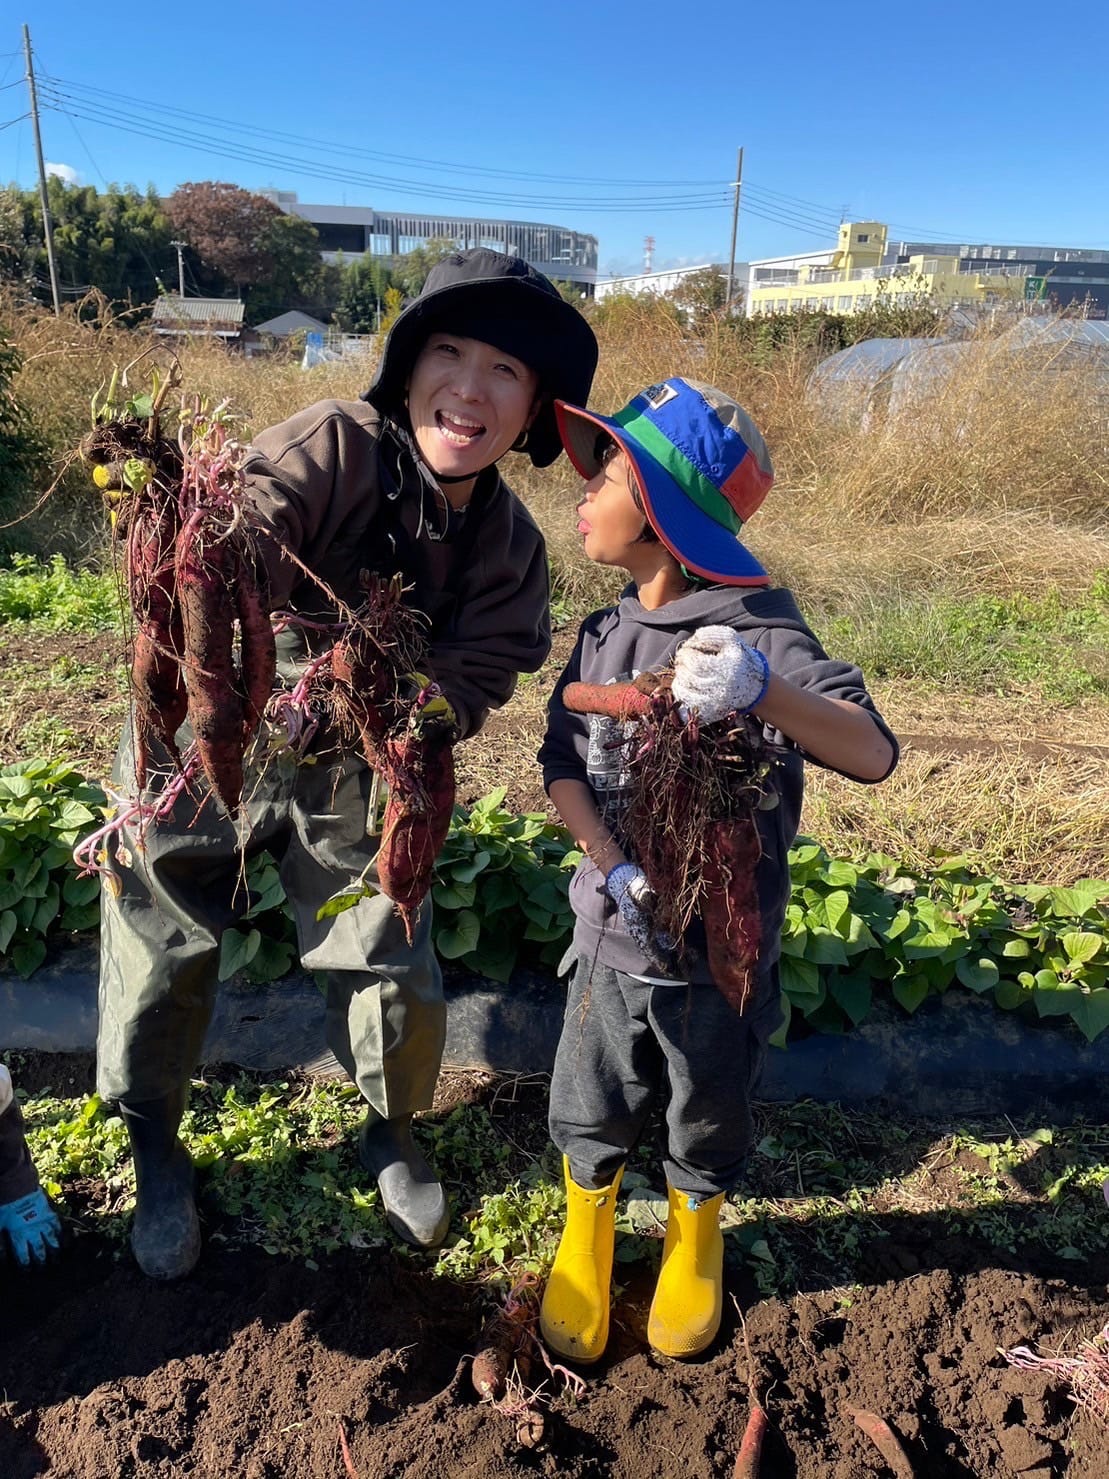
(361, 299)
(22, 456)
(116, 242)
(296, 276)
(16, 235)
(410, 271)
(701, 296)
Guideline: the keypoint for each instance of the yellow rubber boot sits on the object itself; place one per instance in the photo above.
(689, 1296)
(573, 1319)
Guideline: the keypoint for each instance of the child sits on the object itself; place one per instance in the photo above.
(670, 480)
(26, 1216)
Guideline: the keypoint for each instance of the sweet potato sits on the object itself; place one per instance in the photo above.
(257, 649)
(614, 700)
(215, 703)
(419, 770)
(750, 1450)
(730, 907)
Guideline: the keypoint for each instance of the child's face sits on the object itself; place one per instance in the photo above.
(608, 519)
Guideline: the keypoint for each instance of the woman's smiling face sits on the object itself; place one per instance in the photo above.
(468, 402)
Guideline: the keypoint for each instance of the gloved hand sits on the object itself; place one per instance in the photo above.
(627, 886)
(717, 673)
(32, 1227)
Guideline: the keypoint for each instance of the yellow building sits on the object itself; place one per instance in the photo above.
(858, 276)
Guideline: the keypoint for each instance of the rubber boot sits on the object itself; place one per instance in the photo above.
(165, 1235)
(573, 1319)
(414, 1201)
(689, 1295)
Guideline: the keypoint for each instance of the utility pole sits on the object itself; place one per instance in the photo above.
(47, 224)
(180, 245)
(735, 229)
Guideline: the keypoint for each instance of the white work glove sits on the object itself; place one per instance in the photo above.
(717, 673)
(628, 888)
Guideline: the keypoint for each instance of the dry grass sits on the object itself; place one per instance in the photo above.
(997, 484)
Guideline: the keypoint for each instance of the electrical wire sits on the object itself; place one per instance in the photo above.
(415, 161)
(121, 117)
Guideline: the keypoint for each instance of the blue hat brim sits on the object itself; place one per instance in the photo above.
(696, 541)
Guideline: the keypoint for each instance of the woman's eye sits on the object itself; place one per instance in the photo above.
(509, 370)
(445, 348)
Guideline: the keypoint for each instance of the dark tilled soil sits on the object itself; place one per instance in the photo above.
(254, 1366)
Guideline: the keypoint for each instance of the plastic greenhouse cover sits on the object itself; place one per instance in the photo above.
(866, 361)
(1085, 333)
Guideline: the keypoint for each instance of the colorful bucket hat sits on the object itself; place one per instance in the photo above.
(701, 464)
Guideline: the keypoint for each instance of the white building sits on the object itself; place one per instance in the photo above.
(661, 283)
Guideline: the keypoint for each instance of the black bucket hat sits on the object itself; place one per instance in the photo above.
(504, 301)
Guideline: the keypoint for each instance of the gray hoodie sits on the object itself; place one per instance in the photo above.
(616, 644)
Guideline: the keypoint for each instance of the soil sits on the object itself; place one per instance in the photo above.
(263, 1368)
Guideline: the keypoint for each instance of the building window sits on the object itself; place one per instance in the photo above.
(863, 237)
(844, 303)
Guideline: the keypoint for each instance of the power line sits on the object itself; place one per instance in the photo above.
(121, 117)
(161, 109)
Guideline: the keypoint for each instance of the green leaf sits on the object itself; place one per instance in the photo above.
(460, 937)
(825, 948)
(799, 978)
(237, 949)
(272, 960)
(466, 870)
(977, 973)
(340, 903)
(1091, 1012)
(910, 991)
(8, 923)
(1081, 946)
(27, 956)
(450, 898)
(854, 993)
(1009, 994)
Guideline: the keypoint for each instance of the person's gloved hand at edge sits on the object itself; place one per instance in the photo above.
(27, 1218)
(716, 673)
(32, 1227)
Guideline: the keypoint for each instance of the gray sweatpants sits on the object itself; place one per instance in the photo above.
(160, 938)
(625, 1043)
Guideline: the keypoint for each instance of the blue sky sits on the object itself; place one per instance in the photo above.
(972, 124)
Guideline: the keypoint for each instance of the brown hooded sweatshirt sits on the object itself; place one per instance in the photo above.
(343, 491)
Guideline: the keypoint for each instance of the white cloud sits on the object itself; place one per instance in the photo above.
(64, 172)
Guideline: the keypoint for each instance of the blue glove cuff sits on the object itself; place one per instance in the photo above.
(764, 665)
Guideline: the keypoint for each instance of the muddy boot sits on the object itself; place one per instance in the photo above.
(573, 1319)
(686, 1309)
(165, 1237)
(414, 1201)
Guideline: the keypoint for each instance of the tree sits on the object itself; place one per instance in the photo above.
(362, 296)
(701, 296)
(228, 228)
(16, 251)
(292, 246)
(410, 271)
(116, 242)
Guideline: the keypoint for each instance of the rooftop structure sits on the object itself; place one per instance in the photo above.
(220, 318)
(351, 230)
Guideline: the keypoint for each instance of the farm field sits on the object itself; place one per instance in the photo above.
(879, 1264)
(880, 1261)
